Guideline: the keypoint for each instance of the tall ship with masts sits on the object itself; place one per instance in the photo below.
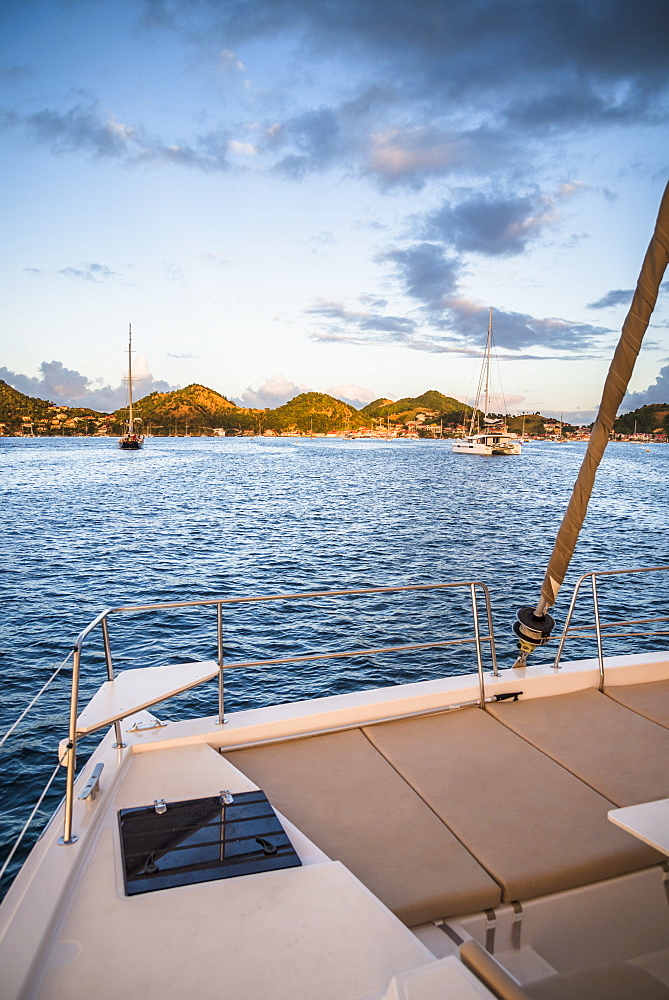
(492, 438)
(131, 440)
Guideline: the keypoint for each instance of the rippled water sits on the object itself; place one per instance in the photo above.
(88, 527)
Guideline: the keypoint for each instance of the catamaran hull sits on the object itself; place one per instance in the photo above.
(488, 445)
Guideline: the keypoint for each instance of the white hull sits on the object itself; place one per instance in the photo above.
(488, 444)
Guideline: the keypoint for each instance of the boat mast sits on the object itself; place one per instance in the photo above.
(130, 427)
(483, 387)
(488, 348)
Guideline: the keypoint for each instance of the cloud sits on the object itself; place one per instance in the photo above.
(83, 129)
(577, 60)
(358, 326)
(276, 391)
(92, 130)
(354, 395)
(455, 325)
(413, 155)
(492, 224)
(316, 139)
(229, 62)
(14, 73)
(427, 273)
(80, 272)
(86, 272)
(438, 40)
(404, 94)
(217, 259)
(68, 387)
(658, 392)
(616, 297)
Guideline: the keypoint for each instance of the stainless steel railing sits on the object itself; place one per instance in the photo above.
(478, 639)
(599, 628)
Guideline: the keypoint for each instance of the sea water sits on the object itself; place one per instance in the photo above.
(87, 527)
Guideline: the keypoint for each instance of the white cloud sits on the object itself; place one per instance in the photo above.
(68, 387)
(354, 395)
(276, 391)
(242, 148)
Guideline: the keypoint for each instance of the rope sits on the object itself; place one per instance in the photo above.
(35, 699)
(30, 819)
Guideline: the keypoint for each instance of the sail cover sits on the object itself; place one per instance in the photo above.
(615, 386)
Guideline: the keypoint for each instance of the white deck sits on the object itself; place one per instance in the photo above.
(263, 935)
(314, 931)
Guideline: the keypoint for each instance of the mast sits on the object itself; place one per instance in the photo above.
(534, 625)
(130, 426)
(488, 348)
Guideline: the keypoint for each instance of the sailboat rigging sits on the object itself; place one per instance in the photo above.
(493, 438)
(131, 440)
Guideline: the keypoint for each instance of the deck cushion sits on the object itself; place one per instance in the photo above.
(532, 825)
(650, 699)
(614, 750)
(346, 798)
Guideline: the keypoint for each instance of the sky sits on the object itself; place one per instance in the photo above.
(329, 195)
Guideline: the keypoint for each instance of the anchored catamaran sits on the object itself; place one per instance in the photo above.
(499, 834)
(493, 438)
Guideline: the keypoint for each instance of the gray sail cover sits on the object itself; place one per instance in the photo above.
(617, 380)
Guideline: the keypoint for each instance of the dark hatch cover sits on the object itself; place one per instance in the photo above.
(198, 840)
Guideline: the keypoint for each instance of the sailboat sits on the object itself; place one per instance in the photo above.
(131, 440)
(493, 438)
(502, 833)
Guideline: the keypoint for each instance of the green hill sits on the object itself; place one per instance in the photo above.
(644, 420)
(314, 412)
(408, 407)
(14, 403)
(29, 414)
(376, 405)
(196, 407)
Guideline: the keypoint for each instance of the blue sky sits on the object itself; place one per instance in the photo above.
(283, 195)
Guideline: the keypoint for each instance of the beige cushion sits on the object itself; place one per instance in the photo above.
(651, 699)
(532, 825)
(345, 797)
(616, 982)
(617, 752)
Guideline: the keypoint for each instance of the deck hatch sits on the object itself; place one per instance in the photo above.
(200, 840)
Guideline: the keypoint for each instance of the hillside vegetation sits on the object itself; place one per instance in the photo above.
(407, 408)
(644, 420)
(314, 412)
(14, 403)
(169, 412)
(29, 414)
